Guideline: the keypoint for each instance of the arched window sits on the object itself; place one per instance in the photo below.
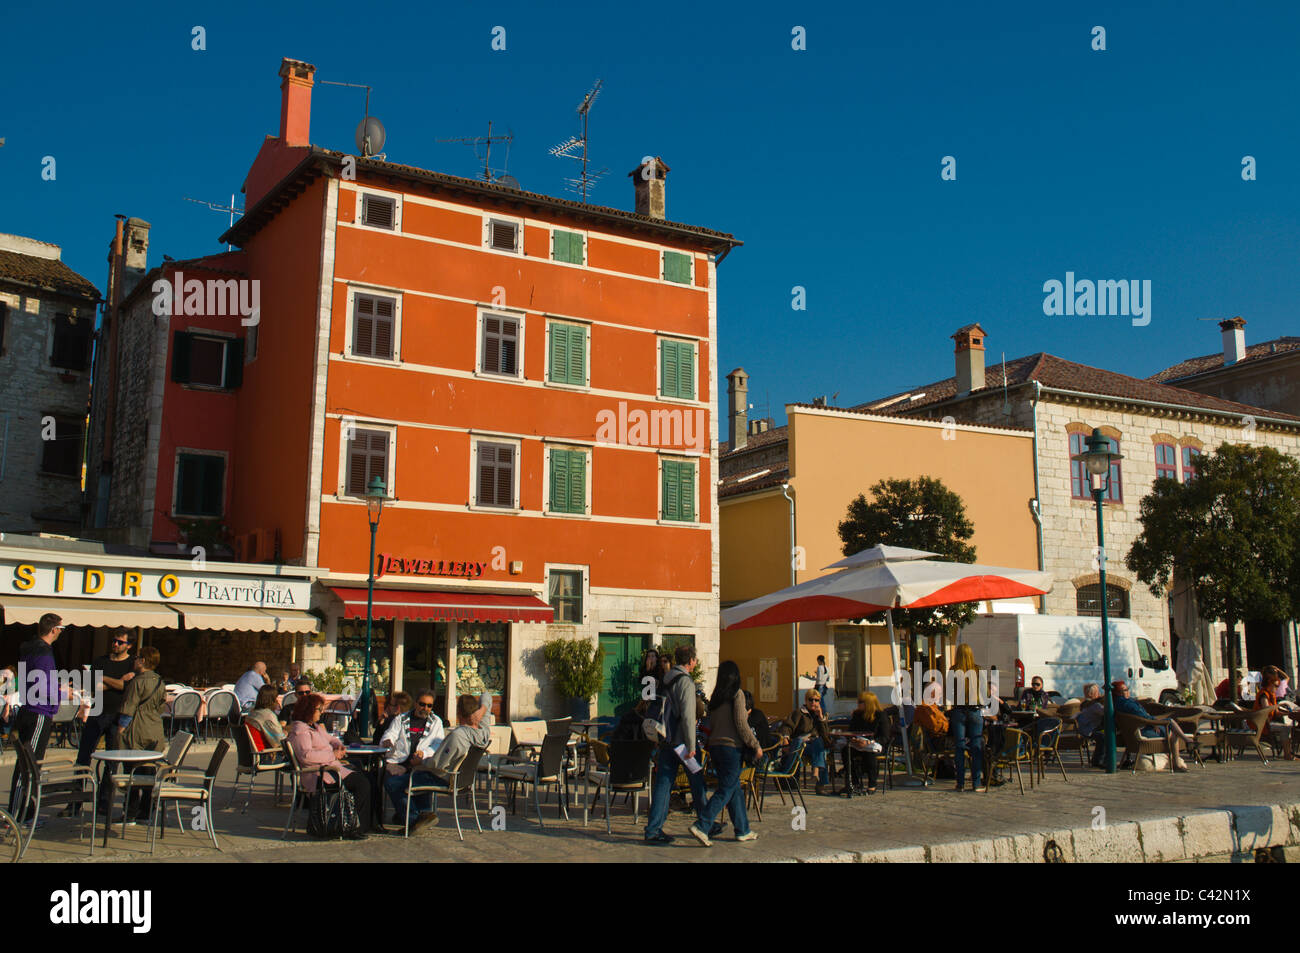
(1088, 601)
(1166, 461)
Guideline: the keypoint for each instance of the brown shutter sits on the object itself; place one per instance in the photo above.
(505, 476)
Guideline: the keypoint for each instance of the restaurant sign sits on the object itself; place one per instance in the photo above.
(32, 578)
(405, 566)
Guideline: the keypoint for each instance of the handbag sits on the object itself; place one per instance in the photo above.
(332, 810)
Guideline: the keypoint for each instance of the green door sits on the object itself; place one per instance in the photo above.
(621, 659)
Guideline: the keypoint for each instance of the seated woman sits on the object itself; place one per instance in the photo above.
(262, 719)
(1279, 724)
(315, 749)
(810, 721)
(867, 719)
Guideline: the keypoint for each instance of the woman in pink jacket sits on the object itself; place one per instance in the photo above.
(315, 748)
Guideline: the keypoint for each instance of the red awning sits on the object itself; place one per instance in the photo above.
(445, 606)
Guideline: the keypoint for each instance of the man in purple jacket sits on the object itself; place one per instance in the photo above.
(38, 693)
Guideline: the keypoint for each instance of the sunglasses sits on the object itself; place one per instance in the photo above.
(121, 642)
(424, 704)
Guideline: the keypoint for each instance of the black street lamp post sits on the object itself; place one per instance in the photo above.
(375, 494)
(1098, 460)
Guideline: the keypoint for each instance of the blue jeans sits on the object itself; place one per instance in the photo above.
(665, 773)
(968, 732)
(395, 785)
(728, 763)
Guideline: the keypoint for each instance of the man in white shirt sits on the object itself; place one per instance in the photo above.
(411, 737)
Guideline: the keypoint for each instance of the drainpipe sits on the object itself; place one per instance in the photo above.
(1035, 507)
(794, 626)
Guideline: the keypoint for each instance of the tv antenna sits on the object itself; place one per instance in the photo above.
(370, 135)
(489, 174)
(232, 208)
(575, 147)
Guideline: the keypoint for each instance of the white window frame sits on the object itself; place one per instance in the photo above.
(659, 489)
(522, 318)
(374, 292)
(659, 363)
(176, 480)
(586, 244)
(359, 218)
(477, 438)
(390, 475)
(663, 267)
(586, 588)
(547, 447)
(586, 357)
(518, 223)
(225, 337)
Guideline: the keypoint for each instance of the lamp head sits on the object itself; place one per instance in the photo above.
(375, 494)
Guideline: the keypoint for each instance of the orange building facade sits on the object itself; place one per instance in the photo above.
(532, 378)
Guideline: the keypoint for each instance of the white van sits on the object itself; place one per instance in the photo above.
(1065, 651)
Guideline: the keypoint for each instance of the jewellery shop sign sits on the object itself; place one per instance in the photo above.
(151, 584)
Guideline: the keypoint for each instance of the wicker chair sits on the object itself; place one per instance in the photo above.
(1246, 728)
(1017, 749)
(1137, 745)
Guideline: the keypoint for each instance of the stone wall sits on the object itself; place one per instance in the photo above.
(142, 358)
(31, 388)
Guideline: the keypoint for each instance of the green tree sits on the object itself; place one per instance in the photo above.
(919, 514)
(1233, 532)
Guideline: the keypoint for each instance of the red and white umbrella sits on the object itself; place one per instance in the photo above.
(882, 578)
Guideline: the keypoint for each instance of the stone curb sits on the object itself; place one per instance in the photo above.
(1238, 829)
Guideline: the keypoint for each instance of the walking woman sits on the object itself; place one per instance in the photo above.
(966, 720)
(729, 735)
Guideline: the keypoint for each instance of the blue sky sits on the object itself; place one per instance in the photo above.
(826, 162)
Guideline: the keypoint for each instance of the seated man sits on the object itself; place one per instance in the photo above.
(411, 737)
(1034, 696)
(1124, 705)
(474, 730)
(1090, 722)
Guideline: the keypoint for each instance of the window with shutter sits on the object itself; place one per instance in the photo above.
(72, 336)
(378, 211)
(503, 236)
(567, 358)
(568, 481)
(567, 246)
(200, 484)
(373, 319)
(677, 369)
(62, 454)
(207, 361)
(367, 459)
(500, 345)
(678, 490)
(677, 267)
(496, 475)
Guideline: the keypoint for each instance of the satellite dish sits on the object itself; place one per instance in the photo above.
(509, 181)
(370, 136)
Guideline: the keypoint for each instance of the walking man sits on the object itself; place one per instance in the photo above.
(39, 695)
(679, 720)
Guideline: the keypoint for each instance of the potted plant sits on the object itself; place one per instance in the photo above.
(575, 667)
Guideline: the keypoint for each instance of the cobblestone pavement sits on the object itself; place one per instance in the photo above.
(836, 829)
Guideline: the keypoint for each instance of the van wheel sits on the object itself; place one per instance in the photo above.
(1169, 698)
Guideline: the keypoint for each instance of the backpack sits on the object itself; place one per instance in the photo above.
(931, 719)
(332, 811)
(659, 728)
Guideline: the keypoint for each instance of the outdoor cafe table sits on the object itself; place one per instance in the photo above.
(133, 758)
(375, 755)
(847, 751)
(585, 727)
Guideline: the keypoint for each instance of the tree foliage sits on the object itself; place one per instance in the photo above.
(1233, 531)
(919, 514)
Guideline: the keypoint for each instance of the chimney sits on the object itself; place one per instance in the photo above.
(648, 179)
(738, 398)
(970, 358)
(295, 102)
(1234, 340)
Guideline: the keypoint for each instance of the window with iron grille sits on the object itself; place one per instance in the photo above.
(1088, 601)
(500, 345)
(496, 475)
(61, 455)
(1190, 457)
(378, 211)
(566, 595)
(373, 320)
(200, 484)
(502, 235)
(367, 459)
(72, 336)
(1166, 461)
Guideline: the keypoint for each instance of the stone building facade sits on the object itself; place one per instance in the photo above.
(47, 320)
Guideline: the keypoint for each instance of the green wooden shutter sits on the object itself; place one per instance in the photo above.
(577, 481)
(686, 487)
(686, 370)
(556, 358)
(668, 373)
(559, 480)
(577, 355)
(677, 267)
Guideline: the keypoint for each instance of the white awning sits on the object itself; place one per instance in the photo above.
(27, 610)
(247, 619)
